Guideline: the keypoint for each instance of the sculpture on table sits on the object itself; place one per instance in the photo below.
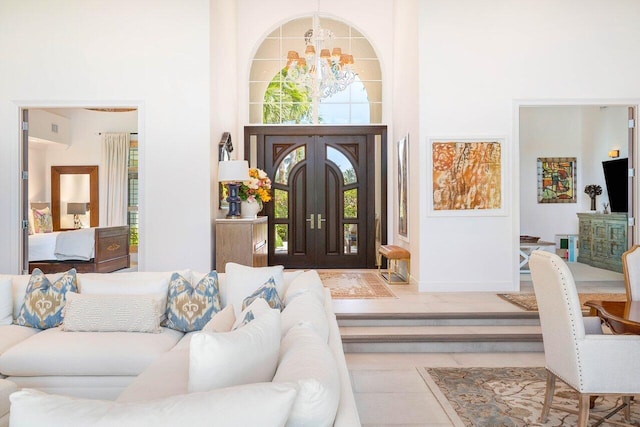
(593, 191)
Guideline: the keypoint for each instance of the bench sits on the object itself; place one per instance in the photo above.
(394, 254)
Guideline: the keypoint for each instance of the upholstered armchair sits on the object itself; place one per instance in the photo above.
(631, 270)
(575, 349)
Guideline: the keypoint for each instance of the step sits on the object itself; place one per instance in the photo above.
(524, 318)
(429, 339)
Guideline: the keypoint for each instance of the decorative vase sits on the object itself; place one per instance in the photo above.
(249, 209)
(593, 203)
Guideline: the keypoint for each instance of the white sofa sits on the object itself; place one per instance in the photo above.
(135, 366)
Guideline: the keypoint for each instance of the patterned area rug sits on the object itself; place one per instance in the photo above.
(528, 301)
(355, 285)
(508, 397)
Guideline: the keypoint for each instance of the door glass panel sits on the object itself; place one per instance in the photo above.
(345, 165)
(281, 203)
(351, 238)
(351, 203)
(287, 164)
(282, 238)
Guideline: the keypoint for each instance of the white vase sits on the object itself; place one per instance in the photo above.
(249, 209)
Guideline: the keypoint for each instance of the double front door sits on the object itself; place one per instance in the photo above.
(323, 210)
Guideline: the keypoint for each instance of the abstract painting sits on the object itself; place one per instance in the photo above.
(556, 180)
(403, 187)
(467, 175)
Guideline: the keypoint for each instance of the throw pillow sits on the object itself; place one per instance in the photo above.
(306, 308)
(264, 404)
(256, 309)
(242, 281)
(246, 355)
(112, 313)
(42, 220)
(268, 293)
(44, 301)
(307, 282)
(222, 321)
(6, 302)
(189, 307)
(306, 359)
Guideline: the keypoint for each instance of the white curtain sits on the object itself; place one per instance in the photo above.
(115, 151)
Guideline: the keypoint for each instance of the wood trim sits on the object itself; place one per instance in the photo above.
(94, 206)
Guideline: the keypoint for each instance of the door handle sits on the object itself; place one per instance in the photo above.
(320, 221)
(310, 220)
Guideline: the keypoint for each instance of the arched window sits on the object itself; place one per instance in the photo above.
(293, 84)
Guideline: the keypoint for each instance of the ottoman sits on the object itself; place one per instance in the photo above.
(6, 388)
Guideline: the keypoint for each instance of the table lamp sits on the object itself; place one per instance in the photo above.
(76, 209)
(232, 173)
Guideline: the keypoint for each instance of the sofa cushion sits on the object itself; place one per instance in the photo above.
(112, 313)
(307, 282)
(6, 301)
(44, 300)
(11, 335)
(256, 309)
(307, 308)
(305, 359)
(246, 355)
(222, 321)
(55, 352)
(190, 307)
(242, 281)
(6, 388)
(268, 293)
(269, 405)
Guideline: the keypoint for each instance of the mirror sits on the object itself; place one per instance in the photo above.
(74, 185)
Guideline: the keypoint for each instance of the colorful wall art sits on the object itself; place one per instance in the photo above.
(556, 180)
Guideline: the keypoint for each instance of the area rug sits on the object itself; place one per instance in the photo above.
(507, 397)
(355, 285)
(528, 301)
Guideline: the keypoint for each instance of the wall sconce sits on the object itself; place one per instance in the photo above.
(76, 209)
(233, 172)
(614, 154)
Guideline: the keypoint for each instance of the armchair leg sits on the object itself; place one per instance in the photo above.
(583, 410)
(548, 396)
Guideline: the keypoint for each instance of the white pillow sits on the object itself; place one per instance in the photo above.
(307, 282)
(306, 359)
(307, 308)
(6, 301)
(246, 355)
(112, 313)
(264, 404)
(242, 281)
(258, 308)
(222, 321)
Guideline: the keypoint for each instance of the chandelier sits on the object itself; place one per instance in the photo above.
(325, 73)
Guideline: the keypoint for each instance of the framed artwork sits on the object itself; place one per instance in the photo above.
(556, 179)
(467, 176)
(403, 188)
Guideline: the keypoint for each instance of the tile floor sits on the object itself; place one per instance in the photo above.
(388, 389)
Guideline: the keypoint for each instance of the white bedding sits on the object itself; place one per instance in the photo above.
(76, 245)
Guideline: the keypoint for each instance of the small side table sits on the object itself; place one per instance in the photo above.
(525, 252)
(394, 254)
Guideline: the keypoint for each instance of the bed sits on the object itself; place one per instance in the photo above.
(92, 250)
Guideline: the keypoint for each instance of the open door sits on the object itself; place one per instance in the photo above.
(24, 193)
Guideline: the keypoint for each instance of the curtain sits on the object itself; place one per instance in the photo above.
(115, 152)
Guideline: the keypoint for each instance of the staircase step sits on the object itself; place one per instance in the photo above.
(523, 318)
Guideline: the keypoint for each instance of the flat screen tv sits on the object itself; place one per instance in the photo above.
(616, 175)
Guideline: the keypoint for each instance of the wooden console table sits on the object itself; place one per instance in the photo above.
(602, 239)
(243, 241)
(525, 252)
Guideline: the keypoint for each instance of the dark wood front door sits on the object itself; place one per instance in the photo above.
(323, 209)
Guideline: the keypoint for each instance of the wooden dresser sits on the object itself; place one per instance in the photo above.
(244, 241)
(602, 240)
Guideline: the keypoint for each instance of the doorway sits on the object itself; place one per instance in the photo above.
(329, 193)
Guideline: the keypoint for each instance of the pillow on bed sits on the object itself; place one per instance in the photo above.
(42, 220)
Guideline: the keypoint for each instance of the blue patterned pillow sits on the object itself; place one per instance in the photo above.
(267, 292)
(44, 301)
(248, 317)
(189, 307)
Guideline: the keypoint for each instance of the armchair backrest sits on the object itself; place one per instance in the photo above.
(631, 269)
(560, 315)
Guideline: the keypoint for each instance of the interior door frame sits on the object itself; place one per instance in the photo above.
(259, 132)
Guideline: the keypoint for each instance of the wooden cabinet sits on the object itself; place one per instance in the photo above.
(602, 239)
(243, 241)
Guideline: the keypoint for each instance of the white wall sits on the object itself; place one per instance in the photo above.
(478, 59)
(152, 54)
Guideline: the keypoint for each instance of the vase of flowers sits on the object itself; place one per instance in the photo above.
(254, 192)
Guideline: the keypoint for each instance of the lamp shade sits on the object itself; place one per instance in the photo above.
(233, 171)
(76, 208)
